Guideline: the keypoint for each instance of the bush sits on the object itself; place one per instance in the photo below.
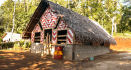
(26, 45)
(15, 45)
(21, 43)
(7, 45)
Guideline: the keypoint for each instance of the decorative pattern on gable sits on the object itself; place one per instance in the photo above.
(48, 19)
(37, 28)
(62, 25)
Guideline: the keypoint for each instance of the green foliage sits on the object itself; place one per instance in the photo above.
(23, 12)
(101, 11)
(22, 44)
(25, 45)
(125, 24)
(123, 35)
(1, 25)
(7, 45)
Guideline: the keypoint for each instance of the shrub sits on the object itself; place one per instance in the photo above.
(16, 45)
(21, 43)
(26, 45)
(7, 45)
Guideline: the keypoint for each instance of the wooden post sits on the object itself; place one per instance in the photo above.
(49, 46)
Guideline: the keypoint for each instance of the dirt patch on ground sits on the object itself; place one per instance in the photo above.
(123, 44)
(20, 60)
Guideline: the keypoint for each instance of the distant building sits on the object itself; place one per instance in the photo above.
(11, 37)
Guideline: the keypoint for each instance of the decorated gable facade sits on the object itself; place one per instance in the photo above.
(49, 20)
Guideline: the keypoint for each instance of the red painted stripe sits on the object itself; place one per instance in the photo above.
(69, 40)
(70, 34)
(54, 33)
(54, 38)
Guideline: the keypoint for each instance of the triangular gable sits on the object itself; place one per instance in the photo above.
(37, 28)
(62, 25)
(48, 19)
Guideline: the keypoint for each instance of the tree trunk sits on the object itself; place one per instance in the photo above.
(68, 5)
(25, 8)
(112, 26)
(13, 21)
(13, 18)
(112, 29)
(115, 27)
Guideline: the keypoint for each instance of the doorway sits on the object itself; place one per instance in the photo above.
(48, 41)
(48, 36)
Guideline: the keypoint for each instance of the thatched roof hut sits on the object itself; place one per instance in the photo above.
(86, 31)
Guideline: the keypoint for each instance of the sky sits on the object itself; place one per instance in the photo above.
(2, 1)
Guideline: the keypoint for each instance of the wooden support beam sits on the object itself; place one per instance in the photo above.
(40, 25)
(58, 22)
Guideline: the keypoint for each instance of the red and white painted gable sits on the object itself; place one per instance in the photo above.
(37, 28)
(62, 25)
(48, 21)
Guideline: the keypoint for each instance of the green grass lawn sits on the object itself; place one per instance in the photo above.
(123, 35)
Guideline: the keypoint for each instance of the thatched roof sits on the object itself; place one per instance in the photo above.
(86, 30)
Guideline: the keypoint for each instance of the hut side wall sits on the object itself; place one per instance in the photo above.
(68, 52)
(79, 52)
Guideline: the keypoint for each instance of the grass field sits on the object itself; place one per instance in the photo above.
(123, 35)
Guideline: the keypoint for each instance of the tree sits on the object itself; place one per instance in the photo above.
(101, 11)
(23, 11)
(125, 23)
(1, 25)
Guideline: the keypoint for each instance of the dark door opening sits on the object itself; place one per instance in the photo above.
(37, 37)
(48, 36)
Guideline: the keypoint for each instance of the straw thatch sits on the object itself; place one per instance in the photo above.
(86, 30)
